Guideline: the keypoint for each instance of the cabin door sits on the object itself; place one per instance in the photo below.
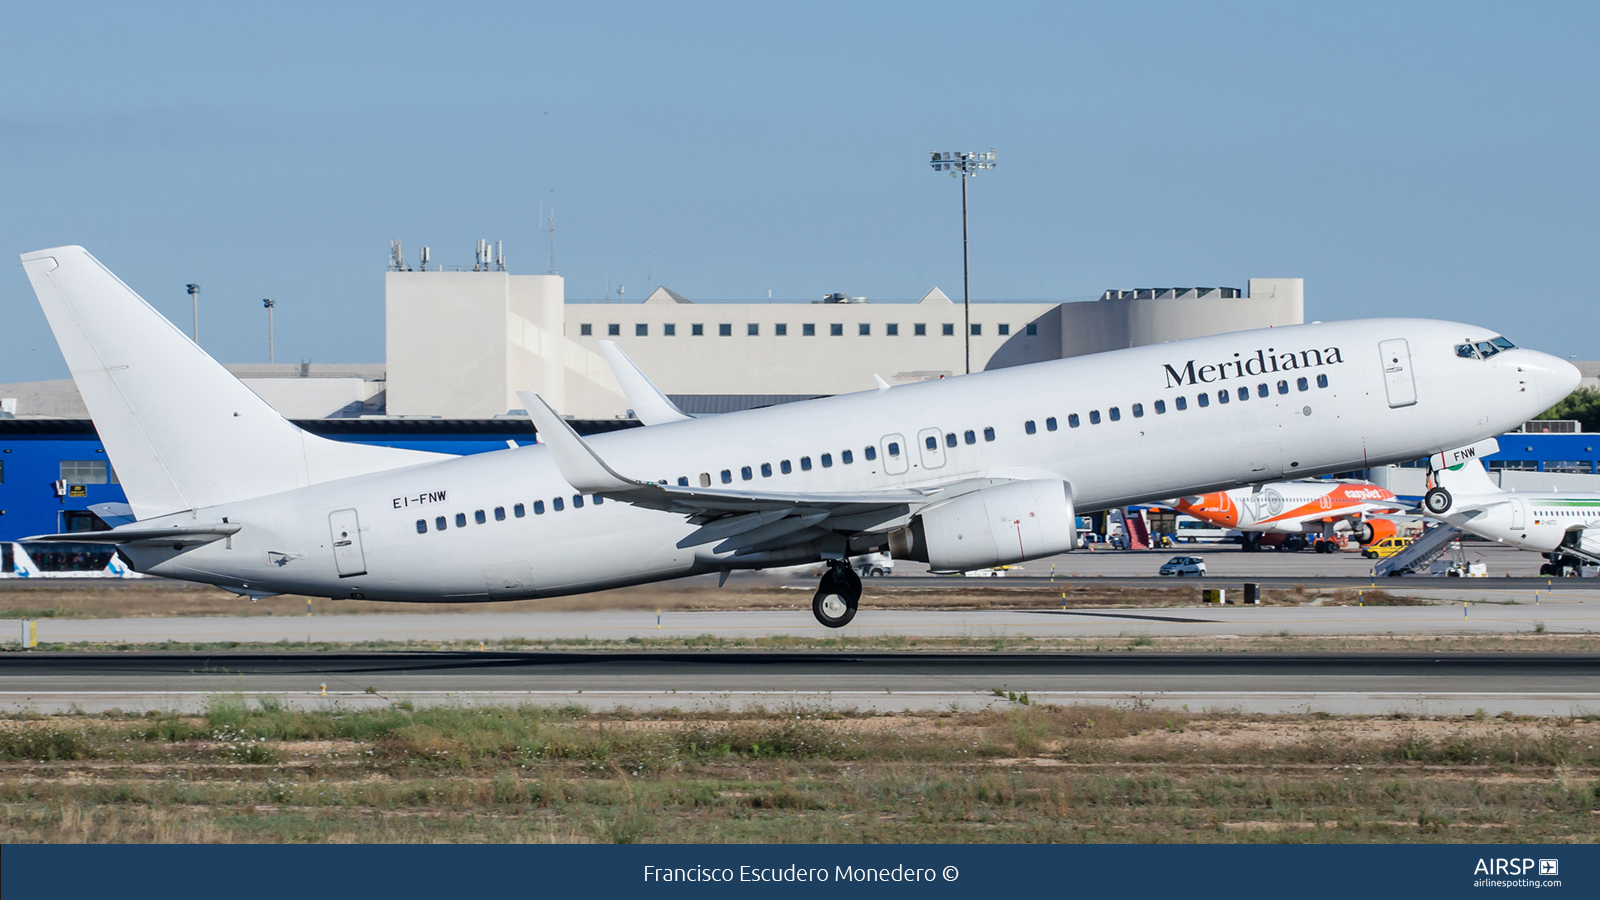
(1519, 517)
(928, 445)
(1397, 378)
(896, 454)
(347, 554)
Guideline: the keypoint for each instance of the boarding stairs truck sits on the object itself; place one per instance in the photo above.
(1424, 550)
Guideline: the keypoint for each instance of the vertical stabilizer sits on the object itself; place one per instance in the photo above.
(182, 432)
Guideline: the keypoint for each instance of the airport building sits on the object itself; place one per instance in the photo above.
(459, 345)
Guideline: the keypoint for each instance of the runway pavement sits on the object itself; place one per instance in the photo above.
(1423, 684)
(1559, 613)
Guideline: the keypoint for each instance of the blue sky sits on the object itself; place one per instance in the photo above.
(1433, 159)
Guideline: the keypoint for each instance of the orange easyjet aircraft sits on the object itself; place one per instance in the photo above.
(1284, 512)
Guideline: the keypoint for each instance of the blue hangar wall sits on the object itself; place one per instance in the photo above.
(37, 454)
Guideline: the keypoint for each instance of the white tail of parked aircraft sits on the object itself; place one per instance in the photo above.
(962, 473)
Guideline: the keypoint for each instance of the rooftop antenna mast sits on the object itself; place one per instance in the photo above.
(397, 258)
(551, 228)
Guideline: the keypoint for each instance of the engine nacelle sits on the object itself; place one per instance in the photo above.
(1374, 530)
(995, 526)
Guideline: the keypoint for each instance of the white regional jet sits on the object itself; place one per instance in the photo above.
(1562, 525)
(963, 473)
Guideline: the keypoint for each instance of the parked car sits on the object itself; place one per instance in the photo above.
(1184, 565)
(1387, 547)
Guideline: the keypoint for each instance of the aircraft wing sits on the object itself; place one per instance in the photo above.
(648, 403)
(744, 521)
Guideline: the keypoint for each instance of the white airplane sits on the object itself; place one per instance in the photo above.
(963, 473)
(1562, 525)
(1283, 512)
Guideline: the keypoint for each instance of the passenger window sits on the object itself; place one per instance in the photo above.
(1283, 387)
(461, 520)
(766, 470)
(785, 467)
(988, 434)
(1222, 396)
(1244, 393)
(683, 481)
(1322, 381)
(1182, 403)
(970, 436)
(745, 473)
(577, 501)
(598, 499)
(1203, 399)
(1072, 420)
(1116, 414)
(1161, 407)
(950, 439)
(705, 479)
(499, 513)
(519, 510)
(1094, 417)
(1263, 391)
(439, 524)
(872, 452)
(894, 450)
(931, 442)
(538, 507)
(480, 517)
(422, 526)
(557, 505)
(1050, 424)
(1302, 384)
(727, 476)
(847, 457)
(1138, 410)
(1029, 427)
(827, 460)
(805, 463)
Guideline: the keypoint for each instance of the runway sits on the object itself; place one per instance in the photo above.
(1560, 613)
(1421, 684)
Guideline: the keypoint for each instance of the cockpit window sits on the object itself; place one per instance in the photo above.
(1502, 343)
(1465, 351)
(1486, 349)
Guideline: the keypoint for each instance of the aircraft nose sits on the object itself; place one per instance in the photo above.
(1553, 378)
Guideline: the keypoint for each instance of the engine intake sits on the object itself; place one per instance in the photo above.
(995, 526)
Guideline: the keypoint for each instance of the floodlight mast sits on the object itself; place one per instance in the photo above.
(270, 305)
(964, 165)
(194, 295)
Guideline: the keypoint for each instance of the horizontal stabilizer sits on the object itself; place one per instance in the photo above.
(154, 534)
(649, 405)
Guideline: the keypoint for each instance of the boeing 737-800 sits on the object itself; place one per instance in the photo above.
(962, 473)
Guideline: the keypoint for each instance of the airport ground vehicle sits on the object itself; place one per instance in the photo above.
(960, 473)
(1387, 547)
(1184, 565)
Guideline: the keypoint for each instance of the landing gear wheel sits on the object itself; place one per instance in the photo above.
(835, 602)
(1549, 570)
(1437, 501)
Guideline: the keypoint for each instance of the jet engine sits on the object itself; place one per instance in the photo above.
(1003, 524)
(1374, 530)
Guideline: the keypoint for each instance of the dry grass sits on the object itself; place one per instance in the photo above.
(1026, 773)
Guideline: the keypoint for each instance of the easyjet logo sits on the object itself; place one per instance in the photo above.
(1265, 362)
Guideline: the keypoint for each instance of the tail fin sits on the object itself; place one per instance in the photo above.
(1466, 480)
(182, 432)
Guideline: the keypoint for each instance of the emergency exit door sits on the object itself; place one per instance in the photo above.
(347, 555)
(1397, 378)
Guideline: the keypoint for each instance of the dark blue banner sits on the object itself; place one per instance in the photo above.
(436, 872)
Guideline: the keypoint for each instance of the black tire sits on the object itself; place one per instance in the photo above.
(1548, 570)
(837, 597)
(1437, 501)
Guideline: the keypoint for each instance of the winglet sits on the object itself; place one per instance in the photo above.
(579, 465)
(649, 404)
(882, 385)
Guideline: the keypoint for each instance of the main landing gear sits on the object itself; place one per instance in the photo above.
(837, 596)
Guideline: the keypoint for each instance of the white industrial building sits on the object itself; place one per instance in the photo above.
(461, 344)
